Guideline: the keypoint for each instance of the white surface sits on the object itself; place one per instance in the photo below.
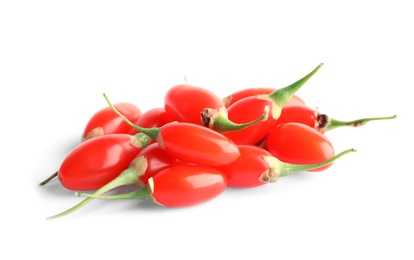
(58, 57)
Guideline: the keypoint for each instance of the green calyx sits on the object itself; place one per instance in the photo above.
(282, 96)
(130, 176)
(219, 121)
(140, 140)
(278, 168)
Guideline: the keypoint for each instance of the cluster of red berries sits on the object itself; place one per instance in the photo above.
(198, 144)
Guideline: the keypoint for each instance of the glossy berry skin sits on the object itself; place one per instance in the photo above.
(97, 161)
(300, 114)
(245, 110)
(248, 92)
(185, 185)
(155, 117)
(185, 102)
(297, 143)
(105, 121)
(157, 160)
(197, 144)
(245, 172)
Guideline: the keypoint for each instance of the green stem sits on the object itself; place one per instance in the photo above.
(128, 177)
(288, 168)
(143, 193)
(219, 121)
(139, 140)
(279, 168)
(51, 177)
(282, 96)
(74, 208)
(151, 132)
(333, 123)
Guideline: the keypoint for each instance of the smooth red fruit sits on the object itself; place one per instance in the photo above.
(248, 92)
(96, 162)
(245, 110)
(196, 144)
(299, 114)
(184, 102)
(245, 172)
(105, 121)
(297, 143)
(155, 117)
(187, 185)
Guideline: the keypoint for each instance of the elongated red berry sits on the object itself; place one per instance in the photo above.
(105, 121)
(185, 102)
(187, 185)
(298, 143)
(94, 163)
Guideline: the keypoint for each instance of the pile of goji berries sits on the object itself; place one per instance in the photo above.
(247, 139)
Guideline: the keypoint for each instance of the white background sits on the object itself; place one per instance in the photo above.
(58, 57)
